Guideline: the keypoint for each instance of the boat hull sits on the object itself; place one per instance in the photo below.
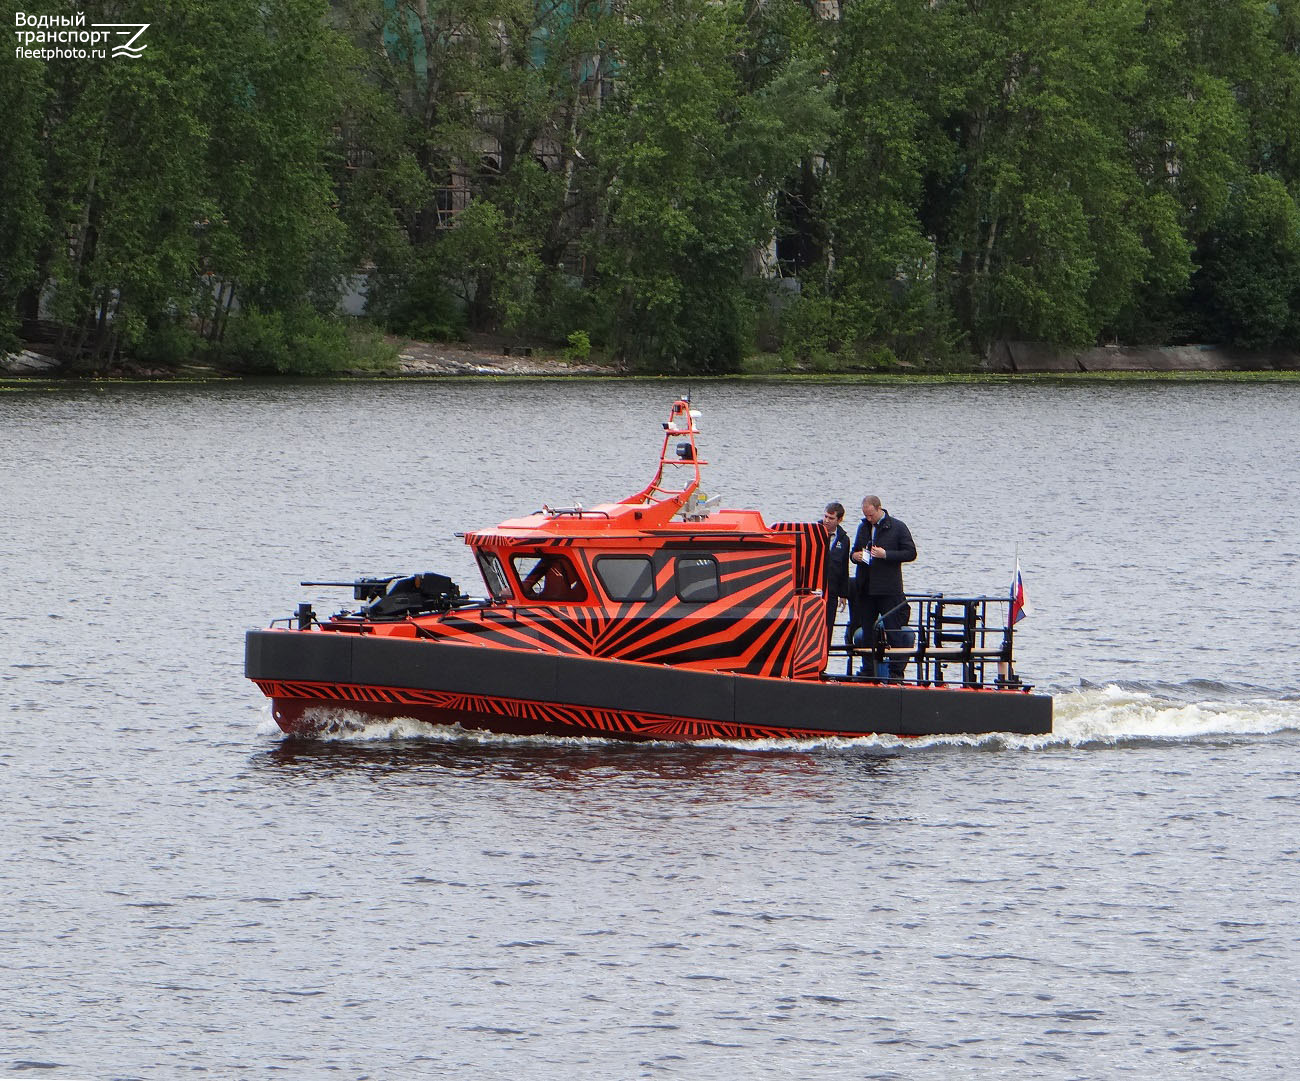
(306, 673)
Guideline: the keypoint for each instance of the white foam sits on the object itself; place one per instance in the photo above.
(1112, 713)
(1091, 716)
(339, 725)
(266, 727)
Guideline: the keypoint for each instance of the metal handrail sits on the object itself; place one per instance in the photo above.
(952, 642)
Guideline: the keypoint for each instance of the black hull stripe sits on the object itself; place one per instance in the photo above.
(366, 664)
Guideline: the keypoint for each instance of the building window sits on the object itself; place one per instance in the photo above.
(626, 578)
(697, 578)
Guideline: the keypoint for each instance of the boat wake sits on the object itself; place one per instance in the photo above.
(338, 725)
(1088, 716)
(1124, 713)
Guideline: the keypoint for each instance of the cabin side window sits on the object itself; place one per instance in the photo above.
(697, 578)
(548, 577)
(494, 576)
(626, 578)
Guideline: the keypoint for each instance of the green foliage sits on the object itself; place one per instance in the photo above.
(300, 341)
(936, 176)
(23, 228)
(579, 345)
(490, 265)
(170, 345)
(563, 302)
(276, 98)
(479, 95)
(812, 328)
(1249, 282)
(693, 165)
(418, 304)
(194, 172)
(880, 268)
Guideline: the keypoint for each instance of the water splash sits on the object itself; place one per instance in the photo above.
(339, 725)
(1117, 713)
(1088, 716)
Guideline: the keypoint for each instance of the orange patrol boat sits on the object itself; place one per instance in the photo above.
(659, 617)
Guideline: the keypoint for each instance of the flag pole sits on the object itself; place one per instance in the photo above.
(1005, 674)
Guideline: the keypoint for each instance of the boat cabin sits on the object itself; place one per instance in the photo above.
(668, 577)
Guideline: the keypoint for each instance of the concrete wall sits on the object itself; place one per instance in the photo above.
(1009, 356)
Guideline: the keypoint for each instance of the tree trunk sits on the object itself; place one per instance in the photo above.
(224, 316)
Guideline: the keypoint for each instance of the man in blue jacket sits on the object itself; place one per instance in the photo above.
(836, 588)
(883, 544)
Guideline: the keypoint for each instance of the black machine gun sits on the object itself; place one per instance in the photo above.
(399, 596)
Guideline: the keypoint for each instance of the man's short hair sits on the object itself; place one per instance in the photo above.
(874, 500)
(836, 509)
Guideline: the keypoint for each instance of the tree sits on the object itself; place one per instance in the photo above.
(494, 99)
(193, 174)
(876, 282)
(125, 187)
(1248, 287)
(1052, 230)
(690, 166)
(23, 226)
(275, 239)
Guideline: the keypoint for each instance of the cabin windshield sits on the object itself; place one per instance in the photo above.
(494, 576)
(548, 577)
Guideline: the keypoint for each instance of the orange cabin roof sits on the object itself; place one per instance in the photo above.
(615, 522)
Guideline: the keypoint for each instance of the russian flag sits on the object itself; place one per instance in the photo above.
(1019, 604)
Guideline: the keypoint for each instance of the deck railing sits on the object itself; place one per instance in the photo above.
(937, 640)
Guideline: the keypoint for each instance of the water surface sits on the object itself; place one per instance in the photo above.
(189, 893)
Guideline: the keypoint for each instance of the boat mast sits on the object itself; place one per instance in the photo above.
(658, 497)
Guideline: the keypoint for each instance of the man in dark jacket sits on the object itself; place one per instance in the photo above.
(880, 549)
(836, 587)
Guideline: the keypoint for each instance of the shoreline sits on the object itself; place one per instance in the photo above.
(415, 359)
(13, 383)
(421, 361)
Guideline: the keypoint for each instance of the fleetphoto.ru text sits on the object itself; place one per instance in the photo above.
(70, 37)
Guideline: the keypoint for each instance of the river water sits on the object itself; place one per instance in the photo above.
(187, 894)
